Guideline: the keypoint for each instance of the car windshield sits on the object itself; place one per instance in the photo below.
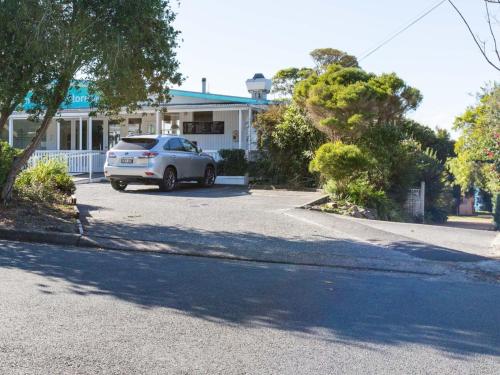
(136, 144)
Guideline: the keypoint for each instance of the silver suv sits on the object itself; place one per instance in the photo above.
(159, 160)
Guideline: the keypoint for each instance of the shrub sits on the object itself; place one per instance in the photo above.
(233, 163)
(48, 181)
(339, 162)
(290, 138)
(7, 155)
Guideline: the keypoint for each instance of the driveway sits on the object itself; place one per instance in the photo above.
(265, 225)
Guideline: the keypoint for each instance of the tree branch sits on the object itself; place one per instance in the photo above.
(491, 27)
(483, 51)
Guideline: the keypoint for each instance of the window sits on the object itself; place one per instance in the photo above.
(174, 144)
(24, 131)
(134, 126)
(203, 116)
(64, 134)
(136, 144)
(188, 146)
(114, 133)
(214, 127)
(97, 134)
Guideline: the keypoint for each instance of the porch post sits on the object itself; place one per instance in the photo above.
(89, 134)
(249, 128)
(80, 133)
(240, 129)
(58, 135)
(11, 131)
(158, 123)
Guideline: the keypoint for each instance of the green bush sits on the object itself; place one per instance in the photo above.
(341, 163)
(289, 138)
(48, 181)
(7, 155)
(233, 163)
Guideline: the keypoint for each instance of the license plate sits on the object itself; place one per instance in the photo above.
(127, 160)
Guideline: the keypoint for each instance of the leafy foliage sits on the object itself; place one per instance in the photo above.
(48, 181)
(478, 148)
(324, 57)
(290, 138)
(284, 80)
(233, 162)
(345, 102)
(7, 155)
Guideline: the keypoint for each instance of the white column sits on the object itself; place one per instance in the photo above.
(89, 134)
(73, 134)
(249, 130)
(11, 131)
(240, 128)
(58, 135)
(158, 123)
(80, 134)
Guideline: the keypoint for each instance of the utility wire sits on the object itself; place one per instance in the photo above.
(393, 36)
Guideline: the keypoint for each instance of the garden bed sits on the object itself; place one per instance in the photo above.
(28, 216)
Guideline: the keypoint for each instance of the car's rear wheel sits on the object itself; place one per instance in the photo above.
(118, 185)
(169, 181)
(209, 179)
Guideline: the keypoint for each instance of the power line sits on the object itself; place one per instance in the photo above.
(393, 36)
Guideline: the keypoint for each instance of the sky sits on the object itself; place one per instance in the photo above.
(227, 41)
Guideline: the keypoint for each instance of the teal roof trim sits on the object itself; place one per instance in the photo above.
(225, 98)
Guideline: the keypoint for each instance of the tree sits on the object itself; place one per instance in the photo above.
(125, 49)
(478, 148)
(25, 46)
(344, 102)
(284, 80)
(324, 57)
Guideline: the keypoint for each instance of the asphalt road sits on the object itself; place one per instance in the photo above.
(73, 311)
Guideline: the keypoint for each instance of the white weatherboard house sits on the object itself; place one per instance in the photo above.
(212, 121)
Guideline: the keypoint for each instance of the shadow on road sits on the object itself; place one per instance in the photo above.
(352, 308)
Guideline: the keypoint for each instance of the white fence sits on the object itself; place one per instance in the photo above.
(77, 161)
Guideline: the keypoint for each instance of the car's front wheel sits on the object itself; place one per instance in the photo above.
(169, 180)
(209, 178)
(118, 185)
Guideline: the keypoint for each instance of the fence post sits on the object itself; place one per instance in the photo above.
(422, 200)
(90, 166)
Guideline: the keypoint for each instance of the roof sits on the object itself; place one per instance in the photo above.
(218, 97)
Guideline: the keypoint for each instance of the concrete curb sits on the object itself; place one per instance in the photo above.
(315, 202)
(93, 181)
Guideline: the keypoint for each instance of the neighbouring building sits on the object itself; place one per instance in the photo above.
(212, 121)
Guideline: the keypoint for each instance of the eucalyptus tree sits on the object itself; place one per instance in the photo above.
(124, 49)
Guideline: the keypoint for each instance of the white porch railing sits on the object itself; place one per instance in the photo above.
(77, 161)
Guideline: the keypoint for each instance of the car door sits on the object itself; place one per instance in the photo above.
(179, 157)
(196, 169)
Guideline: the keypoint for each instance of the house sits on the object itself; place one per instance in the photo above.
(210, 120)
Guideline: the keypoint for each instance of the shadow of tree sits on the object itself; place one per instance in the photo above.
(359, 309)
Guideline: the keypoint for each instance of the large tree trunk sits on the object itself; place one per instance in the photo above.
(20, 161)
(3, 120)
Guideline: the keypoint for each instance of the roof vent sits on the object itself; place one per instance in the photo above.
(259, 86)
